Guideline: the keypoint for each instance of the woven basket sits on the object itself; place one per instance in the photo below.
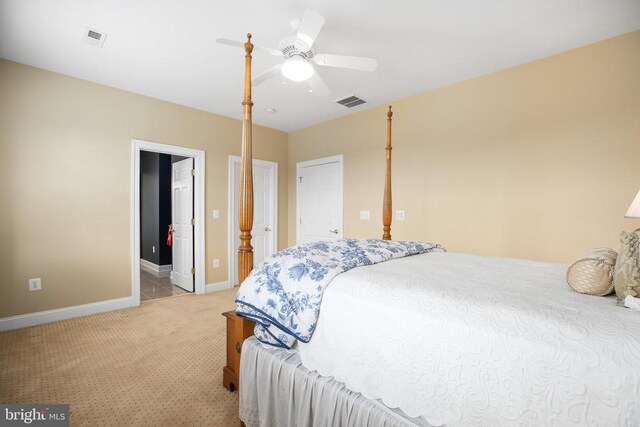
(593, 274)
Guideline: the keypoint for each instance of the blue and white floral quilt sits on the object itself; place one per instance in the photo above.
(283, 294)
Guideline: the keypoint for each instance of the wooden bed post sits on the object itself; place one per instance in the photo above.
(244, 328)
(239, 329)
(386, 202)
(245, 198)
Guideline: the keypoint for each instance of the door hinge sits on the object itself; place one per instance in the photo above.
(300, 179)
(193, 270)
(193, 172)
(300, 220)
(193, 221)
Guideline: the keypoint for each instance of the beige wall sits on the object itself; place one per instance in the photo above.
(538, 161)
(65, 166)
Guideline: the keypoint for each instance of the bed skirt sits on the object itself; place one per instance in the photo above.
(276, 390)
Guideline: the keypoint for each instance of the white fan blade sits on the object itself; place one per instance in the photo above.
(308, 30)
(353, 62)
(317, 85)
(255, 46)
(266, 75)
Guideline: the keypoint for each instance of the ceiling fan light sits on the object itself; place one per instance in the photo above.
(297, 69)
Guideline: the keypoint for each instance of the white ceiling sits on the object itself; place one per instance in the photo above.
(167, 50)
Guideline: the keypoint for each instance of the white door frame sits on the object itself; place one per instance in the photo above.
(198, 211)
(234, 161)
(315, 162)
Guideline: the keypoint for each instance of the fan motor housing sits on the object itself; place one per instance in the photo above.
(288, 48)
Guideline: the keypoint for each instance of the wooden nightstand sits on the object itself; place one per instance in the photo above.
(230, 372)
(237, 331)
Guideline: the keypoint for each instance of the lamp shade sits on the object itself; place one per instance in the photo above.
(297, 69)
(634, 209)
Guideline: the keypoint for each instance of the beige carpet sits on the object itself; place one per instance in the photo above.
(156, 365)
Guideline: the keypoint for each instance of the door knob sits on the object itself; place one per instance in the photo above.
(267, 229)
(334, 231)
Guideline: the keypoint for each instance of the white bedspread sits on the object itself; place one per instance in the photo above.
(468, 340)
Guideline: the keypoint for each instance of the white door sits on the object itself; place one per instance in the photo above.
(319, 191)
(182, 214)
(265, 200)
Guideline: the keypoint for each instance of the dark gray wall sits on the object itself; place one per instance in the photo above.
(155, 207)
(164, 212)
(149, 206)
(175, 159)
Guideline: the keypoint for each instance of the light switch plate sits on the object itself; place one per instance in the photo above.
(400, 215)
(216, 263)
(365, 215)
(216, 214)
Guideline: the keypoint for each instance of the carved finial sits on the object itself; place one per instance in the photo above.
(389, 113)
(248, 46)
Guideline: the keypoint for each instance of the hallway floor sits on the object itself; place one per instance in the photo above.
(152, 287)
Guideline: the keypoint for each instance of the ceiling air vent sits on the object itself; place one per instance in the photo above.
(94, 37)
(350, 101)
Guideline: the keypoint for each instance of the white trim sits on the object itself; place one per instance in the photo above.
(218, 286)
(232, 219)
(155, 269)
(321, 161)
(315, 162)
(32, 319)
(198, 211)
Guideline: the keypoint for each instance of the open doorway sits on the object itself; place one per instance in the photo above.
(166, 229)
(167, 253)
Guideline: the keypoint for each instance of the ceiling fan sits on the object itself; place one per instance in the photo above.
(298, 54)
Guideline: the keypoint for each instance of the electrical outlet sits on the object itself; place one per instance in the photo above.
(365, 215)
(400, 215)
(216, 214)
(35, 284)
(153, 249)
(216, 263)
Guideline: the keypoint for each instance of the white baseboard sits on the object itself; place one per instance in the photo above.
(155, 269)
(218, 286)
(32, 319)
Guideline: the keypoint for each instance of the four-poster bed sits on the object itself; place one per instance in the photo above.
(239, 329)
(434, 338)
